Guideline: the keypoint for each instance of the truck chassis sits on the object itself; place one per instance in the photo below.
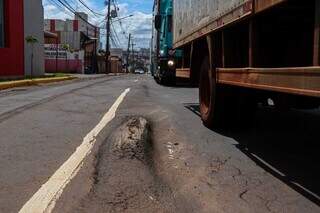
(263, 49)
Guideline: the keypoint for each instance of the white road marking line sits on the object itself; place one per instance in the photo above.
(136, 80)
(45, 198)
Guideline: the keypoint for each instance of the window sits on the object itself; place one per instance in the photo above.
(1, 23)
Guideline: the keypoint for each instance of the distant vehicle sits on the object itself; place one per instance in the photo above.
(244, 52)
(139, 71)
(165, 58)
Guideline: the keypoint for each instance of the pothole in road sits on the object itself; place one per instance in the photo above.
(125, 180)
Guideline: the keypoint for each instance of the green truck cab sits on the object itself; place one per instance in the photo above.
(166, 58)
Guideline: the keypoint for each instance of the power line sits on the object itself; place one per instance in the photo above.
(124, 33)
(80, 6)
(67, 3)
(115, 37)
(72, 10)
(91, 10)
(120, 22)
(61, 8)
(116, 20)
(116, 34)
(115, 7)
(123, 30)
(113, 41)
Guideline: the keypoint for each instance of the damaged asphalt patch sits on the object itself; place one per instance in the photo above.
(125, 180)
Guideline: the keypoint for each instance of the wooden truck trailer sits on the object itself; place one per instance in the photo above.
(244, 52)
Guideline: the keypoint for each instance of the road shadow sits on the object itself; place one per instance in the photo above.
(285, 144)
(180, 83)
(185, 83)
(195, 108)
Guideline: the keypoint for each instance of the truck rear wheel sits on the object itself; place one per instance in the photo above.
(223, 106)
(215, 102)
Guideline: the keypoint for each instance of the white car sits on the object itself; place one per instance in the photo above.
(139, 71)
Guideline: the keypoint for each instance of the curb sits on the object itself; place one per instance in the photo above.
(32, 82)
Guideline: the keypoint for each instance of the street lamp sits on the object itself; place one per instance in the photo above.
(119, 19)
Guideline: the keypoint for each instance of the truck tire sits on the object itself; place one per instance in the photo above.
(215, 102)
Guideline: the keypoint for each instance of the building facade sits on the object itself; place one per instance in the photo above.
(18, 20)
(117, 52)
(73, 32)
(79, 35)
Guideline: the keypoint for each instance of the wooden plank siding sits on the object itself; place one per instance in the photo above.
(297, 80)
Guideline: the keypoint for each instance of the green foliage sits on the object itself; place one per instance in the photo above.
(66, 47)
(31, 40)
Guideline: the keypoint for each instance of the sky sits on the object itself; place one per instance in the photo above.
(139, 25)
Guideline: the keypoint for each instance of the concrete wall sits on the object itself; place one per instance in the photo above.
(118, 52)
(71, 38)
(33, 26)
(69, 31)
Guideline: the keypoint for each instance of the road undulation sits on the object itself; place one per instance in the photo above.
(269, 167)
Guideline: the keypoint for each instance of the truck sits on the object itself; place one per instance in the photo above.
(164, 57)
(246, 53)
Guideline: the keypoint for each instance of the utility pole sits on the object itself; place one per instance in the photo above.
(108, 19)
(132, 50)
(128, 53)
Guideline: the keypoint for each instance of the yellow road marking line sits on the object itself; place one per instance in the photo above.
(45, 198)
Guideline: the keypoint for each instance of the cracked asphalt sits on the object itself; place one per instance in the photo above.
(271, 166)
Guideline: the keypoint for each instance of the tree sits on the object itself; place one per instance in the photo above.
(31, 40)
(66, 47)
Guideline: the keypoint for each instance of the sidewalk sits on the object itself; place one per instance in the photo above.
(54, 79)
(16, 101)
(30, 82)
(95, 76)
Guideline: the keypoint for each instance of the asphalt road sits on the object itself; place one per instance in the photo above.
(272, 166)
